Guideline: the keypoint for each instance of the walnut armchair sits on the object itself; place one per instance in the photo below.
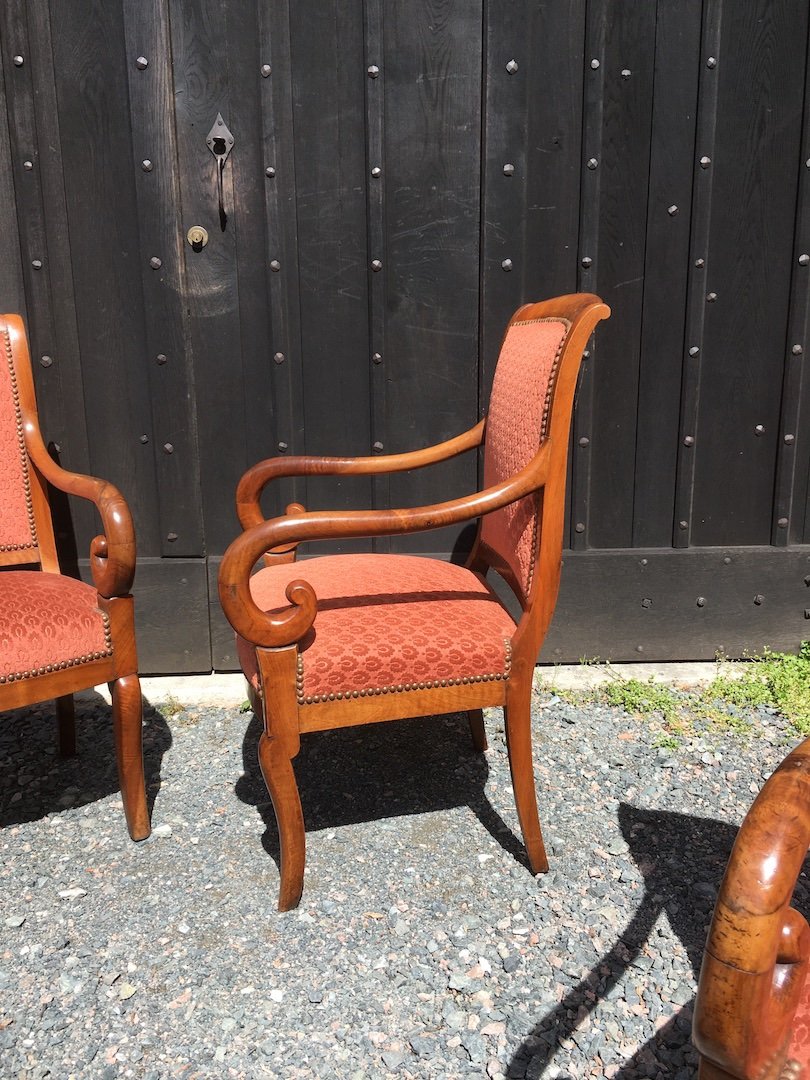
(57, 634)
(356, 639)
(752, 1012)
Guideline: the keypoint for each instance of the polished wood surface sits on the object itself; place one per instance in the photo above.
(276, 637)
(112, 562)
(758, 949)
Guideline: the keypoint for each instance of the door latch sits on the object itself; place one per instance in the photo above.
(220, 143)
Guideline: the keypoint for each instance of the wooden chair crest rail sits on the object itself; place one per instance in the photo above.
(57, 634)
(752, 1012)
(355, 639)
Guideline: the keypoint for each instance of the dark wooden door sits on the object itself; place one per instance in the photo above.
(402, 176)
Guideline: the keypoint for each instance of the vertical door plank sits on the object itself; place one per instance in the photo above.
(431, 80)
(199, 49)
(666, 266)
(329, 118)
(617, 270)
(89, 61)
(164, 360)
(760, 70)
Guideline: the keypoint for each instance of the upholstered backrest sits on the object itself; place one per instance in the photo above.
(18, 531)
(517, 422)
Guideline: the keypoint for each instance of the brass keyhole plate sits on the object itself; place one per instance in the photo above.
(197, 236)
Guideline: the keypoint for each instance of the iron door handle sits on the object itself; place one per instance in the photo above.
(220, 142)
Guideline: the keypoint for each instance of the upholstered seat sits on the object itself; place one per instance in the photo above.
(353, 639)
(48, 623)
(388, 624)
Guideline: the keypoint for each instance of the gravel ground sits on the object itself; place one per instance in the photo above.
(423, 947)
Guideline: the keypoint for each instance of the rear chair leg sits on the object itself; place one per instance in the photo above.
(127, 718)
(477, 731)
(66, 725)
(279, 776)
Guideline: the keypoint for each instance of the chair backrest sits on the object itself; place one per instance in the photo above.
(752, 1011)
(26, 531)
(541, 352)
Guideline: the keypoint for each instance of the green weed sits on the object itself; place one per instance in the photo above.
(635, 696)
(781, 680)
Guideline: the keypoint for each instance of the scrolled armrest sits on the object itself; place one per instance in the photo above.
(269, 631)
(112, 555)
(259, 476)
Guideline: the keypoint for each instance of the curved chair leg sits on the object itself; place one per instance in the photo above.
(66, 725)
(517, 716)
(279, 776)
(477, 731)
(127, 718)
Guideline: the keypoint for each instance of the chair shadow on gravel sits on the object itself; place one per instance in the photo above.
(29, 751)
(675, 853)
(377, 771)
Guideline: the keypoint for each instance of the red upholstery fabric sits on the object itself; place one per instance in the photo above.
(388, 623)
(516, 424)
(48, 622)
(17, 528)
(800, 1039)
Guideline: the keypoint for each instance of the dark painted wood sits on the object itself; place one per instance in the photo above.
(201, 91)
(666, 262)
(430, 76)
(89, 57)
(697, 273)
(601, 613)
(171, 615)
(617, 271)
(12, 290)
(329, 115)
(441, 120)
(761, 80)
(172, 435)
(282, 247)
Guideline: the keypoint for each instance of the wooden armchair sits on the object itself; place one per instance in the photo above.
(57, 634)
(752, 1012)
(354, 639)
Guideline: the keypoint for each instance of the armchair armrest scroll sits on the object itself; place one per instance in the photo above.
(112, 555)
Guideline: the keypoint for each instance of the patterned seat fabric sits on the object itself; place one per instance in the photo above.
(48, 622)
(388, 623)
(800, 1039)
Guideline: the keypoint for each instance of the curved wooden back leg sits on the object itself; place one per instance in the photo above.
(66, 725)
(517, 718)
(277, 770)
(127, 707)
(477, 730)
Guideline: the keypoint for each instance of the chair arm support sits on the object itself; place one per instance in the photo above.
(112, 555)
(256, 479)
(268, 631)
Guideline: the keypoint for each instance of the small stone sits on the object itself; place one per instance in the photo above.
(72, 894)
(126, 990)
(392, 1059)
(511, 963)
(162, 831)
(14, 921)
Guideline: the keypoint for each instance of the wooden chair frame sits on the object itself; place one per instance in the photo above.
(112, 563)
(757, 953)
(276, 636)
